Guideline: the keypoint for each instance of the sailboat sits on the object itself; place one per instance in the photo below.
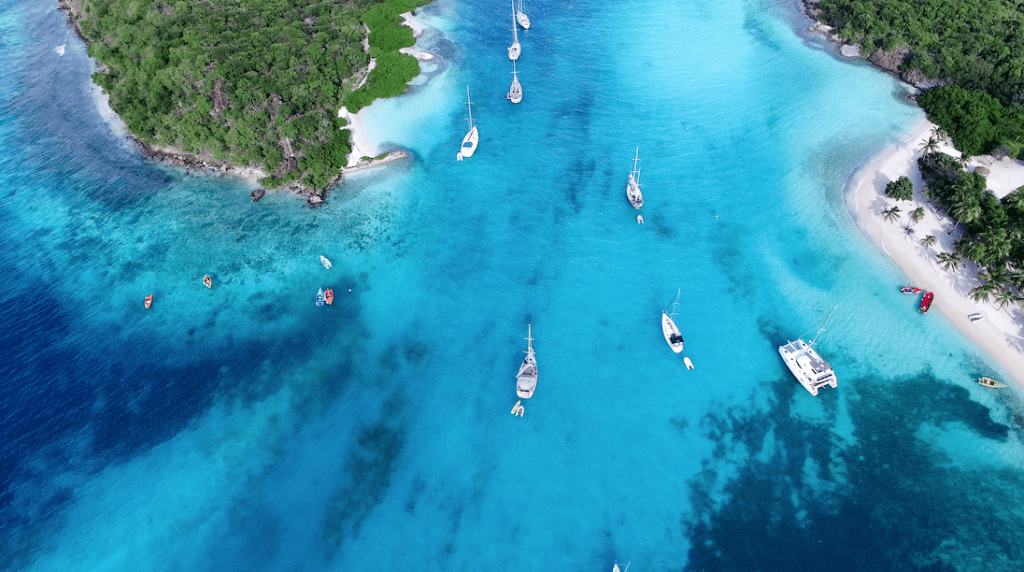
(636, 198)
(472, 138)
(526, 379)
(807, 366)
(522, 18)
(668, 325)
(515, 93)
(515, 49)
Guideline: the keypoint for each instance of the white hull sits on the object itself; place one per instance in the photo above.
(515, 93)
(514, 50)
(807, 366)
(673, 337)
(523, 19)
(636, 198)
(327, 263)
(526, 379)
(469, 142)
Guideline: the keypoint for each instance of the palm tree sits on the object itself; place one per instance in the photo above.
(892, 213)
(929, 240)
(964, 158)
(983, 291)
(1005, 296)
(931, 145)
(916, 215)
(950, 261)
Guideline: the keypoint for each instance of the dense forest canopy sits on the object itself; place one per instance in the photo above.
(977, 45)
(257, 82)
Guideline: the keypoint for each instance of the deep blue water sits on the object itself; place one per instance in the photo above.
(243, 428)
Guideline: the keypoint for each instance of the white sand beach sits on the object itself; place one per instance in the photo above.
(1001, 332)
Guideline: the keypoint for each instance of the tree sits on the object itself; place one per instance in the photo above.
(1005, 296)
(929, 240)
(891, 214)
(901, 189)
(931, 145)
(950, 261)
(983, 291)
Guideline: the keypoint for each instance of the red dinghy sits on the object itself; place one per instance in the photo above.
(908, 289)
(329, 296)
(926, 302)
(149, 301)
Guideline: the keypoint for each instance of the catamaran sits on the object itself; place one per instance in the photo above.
(472, 138)
(515, 49)
(526, 379)
(521, 16)
(807, 366)
(515, 93)
(636, 198)
(668, 325)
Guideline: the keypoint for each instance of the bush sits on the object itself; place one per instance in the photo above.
(900, 189)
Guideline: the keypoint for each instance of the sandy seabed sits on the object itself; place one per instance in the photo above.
(1001, 332)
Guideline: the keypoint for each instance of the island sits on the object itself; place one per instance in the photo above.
(252, 85)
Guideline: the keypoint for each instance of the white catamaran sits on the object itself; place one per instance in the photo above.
(636, 198)
(515, 49)
(472, 138)
(526, 379)
(515, 93)
(522, 18)
(668, 325)
(807, 366)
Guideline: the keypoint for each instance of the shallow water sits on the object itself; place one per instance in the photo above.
(241, 427)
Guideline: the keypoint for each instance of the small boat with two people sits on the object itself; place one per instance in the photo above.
(976, 317)
(207, 281)
(989, 382)
(320, 297)
(806, 365)
(327, 263)
(926, 302)
(329, 296)
(636, 198)
(472, 138)
(518, 409)
(515, 49)
(908, 289)
(526, 379)
(515, 93)
(522, 18)
(149, 301)
(668, 325)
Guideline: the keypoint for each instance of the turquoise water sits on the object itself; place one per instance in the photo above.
(243, 428)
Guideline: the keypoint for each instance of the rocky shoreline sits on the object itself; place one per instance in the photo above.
(198, 162)
(888, 61)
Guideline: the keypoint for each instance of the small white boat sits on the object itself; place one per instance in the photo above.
(689, 364)
(472, 138)
(989, 382)
(327, 263)
(668, 325)
(639, 219)
(518, 408)
(515, 49)
(976, 317)
(320, 297)
(526, 379)
(636, 198)
(515, 93)
(522, 18)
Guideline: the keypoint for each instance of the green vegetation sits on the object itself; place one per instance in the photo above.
(994, 229)
(976, 45)
(900, 189)
(248, 81)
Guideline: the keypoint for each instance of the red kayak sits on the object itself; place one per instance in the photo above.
(926, 302)
(329, 296)
(149, 301)
(908, 289)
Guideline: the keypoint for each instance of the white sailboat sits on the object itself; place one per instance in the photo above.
(526, 379)
(325, 262)
(515, 49)
(668, 325)
(636, 198)
(472, 138)
(522, 18)
(515, 93)
(807, 366)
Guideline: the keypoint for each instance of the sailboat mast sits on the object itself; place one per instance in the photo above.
(822, 328)
(469, 104)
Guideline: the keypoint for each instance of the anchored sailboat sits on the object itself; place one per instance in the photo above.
(472, 138)
(515, 93)
(514, 50)
(522, 18)
(807, 366)
(526, 379)
(636, 198)
(668, 325)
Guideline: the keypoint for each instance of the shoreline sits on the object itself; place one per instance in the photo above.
(1001, 333)
(362, 144)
